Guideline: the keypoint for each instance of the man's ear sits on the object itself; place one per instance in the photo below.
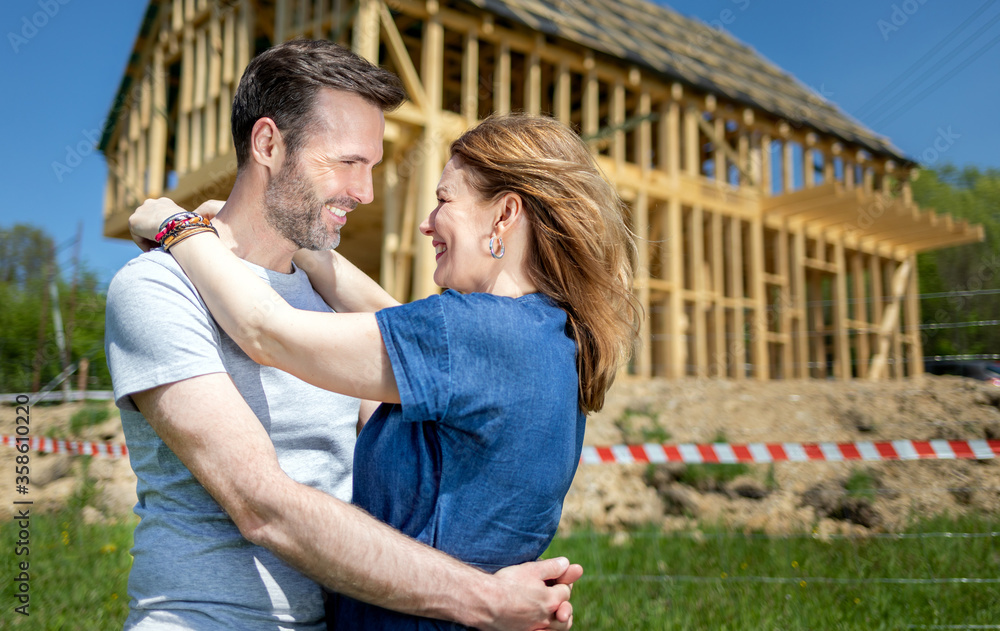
(267, 147)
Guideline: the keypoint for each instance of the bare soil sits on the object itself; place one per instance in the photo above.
(783, 498)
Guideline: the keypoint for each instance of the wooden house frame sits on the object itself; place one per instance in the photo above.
(777, 236)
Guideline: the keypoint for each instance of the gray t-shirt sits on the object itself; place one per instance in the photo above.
(192, 569)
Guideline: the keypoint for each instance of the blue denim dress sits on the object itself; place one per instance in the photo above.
(478, 457)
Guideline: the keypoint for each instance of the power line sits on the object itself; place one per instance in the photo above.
(870, 103)
(947, 77)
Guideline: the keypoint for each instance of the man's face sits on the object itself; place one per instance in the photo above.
(308, 199)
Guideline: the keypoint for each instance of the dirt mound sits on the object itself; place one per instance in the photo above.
(788, 497)
(781, 498)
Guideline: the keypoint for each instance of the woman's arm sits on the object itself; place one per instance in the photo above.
(342, 285)
(341, 352)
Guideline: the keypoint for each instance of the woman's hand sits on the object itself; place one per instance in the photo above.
(145, 221)
(310, 261)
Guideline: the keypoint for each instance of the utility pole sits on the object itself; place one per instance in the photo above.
(36, 377)
(71, 319)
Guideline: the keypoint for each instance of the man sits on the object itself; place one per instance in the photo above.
(239, 466)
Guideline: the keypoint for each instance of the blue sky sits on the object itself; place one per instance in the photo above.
(940, 59)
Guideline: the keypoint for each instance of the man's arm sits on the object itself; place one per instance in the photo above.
(335, 543)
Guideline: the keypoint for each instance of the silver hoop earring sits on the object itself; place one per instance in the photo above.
(493, 252)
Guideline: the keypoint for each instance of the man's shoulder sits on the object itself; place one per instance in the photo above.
(155, 267)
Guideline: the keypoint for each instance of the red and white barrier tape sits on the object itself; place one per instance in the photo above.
(77, 447)
(689, 453)
(793, 452)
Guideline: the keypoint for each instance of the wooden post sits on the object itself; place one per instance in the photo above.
(787, 166)
(719, 155)
(841, 335)
(183, 147)
(817, 320)
(617, 119)
(430, 168)
(214, 85)
(890, 320)
(198, 101)
(82, 375)
(860, 314)
(365, 38)
(281, 20)
(562, 93)
(591, 104)
(916, 351)
(696, 264)
(766, 179)
(158, 126)
(898, 360)
(245, 36)
(800, 298)
(738, 343)
(759, 296)
(718, 298)
(228, 83)
(470, 77)
(809, 161)
(785, 307)
(692, 144)
(390, 221)
(875, 275)
(678, 341)
(501, 80)
(670, 139)
(640, 225)
(640, 222)
(533, 79)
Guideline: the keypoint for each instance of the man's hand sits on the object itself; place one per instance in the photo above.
(536, 596)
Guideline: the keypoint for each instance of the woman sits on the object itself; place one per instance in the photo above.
(487, 385)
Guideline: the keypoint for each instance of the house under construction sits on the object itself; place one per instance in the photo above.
(777, 236)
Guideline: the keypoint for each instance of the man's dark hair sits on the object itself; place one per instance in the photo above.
(282, 82)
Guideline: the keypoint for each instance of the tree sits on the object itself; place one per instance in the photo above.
(973, 195)
(26, 253)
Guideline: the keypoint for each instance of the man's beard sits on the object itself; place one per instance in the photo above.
(296, 212)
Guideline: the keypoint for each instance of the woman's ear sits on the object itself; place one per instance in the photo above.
(266, 144)
(509, 213)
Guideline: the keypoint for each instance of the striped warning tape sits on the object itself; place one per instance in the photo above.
(77, 447)
(725, 453)
(690, 453)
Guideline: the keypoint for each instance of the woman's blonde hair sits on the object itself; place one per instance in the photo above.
(581, 250)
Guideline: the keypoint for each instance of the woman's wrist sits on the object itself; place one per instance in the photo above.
(181, 227)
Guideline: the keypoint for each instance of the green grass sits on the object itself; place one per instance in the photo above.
(78, 573)
(717, 580)
(861, 485)
(90, 414)
(729, 581)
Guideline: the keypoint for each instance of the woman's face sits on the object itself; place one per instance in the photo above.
(460, 228)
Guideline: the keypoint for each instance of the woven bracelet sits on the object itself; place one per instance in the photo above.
(181, 235)
(172, 222)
